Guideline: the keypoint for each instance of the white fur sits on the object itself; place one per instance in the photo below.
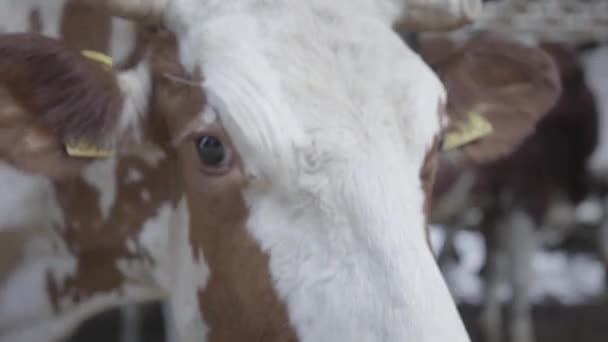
(332, 116)
(521, 246)
(135, 85)
(23, 296)
(102, 176)
(171, 334)
(166, 238)
(149, 152)
(122, 41)
(29, 214)
(595, 64)
(133, 176)
(31, 202)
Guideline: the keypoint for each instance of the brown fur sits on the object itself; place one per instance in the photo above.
(548, 163)
(552, 161)
(99, 243)
(67, 95)
(239, 301)
(427, 178)
(76, 27)
(549, 166)
(511, 84)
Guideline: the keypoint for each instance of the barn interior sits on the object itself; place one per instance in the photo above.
(522, 239)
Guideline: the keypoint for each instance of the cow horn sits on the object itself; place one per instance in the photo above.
(150, 11)
(438, 15)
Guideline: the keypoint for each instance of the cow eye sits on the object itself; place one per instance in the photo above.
(212, 152)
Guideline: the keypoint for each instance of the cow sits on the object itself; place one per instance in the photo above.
(594, 63)
(263, 166)
(531, 193)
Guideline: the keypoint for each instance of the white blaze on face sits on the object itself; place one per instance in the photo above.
(102, 176)
(166, 238)
(334, 113)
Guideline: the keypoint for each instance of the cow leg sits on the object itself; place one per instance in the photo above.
(183, 319)
(171, 334)
(491, 315)
(521, 245)
(603, 247)
(131, 321)
(448, 252)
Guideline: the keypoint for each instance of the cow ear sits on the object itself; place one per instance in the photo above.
(437, 15)
(59, 108)
(498, 90)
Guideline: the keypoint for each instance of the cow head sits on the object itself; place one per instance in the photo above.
(295, 133)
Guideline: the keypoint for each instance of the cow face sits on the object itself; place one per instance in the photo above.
(302, 121)
(295, 135)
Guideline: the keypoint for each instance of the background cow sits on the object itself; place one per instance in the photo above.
(528, 197)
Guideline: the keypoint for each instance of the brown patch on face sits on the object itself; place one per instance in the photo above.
(36, 24)
(239, 301)
(98, 244)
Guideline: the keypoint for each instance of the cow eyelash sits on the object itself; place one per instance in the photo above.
(181, 80)
(194, 133)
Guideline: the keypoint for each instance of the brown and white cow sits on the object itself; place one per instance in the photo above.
(535, 186)
(264, 177)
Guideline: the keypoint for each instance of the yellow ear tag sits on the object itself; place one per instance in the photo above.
(85, 149)
(475, 128)
(82, 148)
(98, 57)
